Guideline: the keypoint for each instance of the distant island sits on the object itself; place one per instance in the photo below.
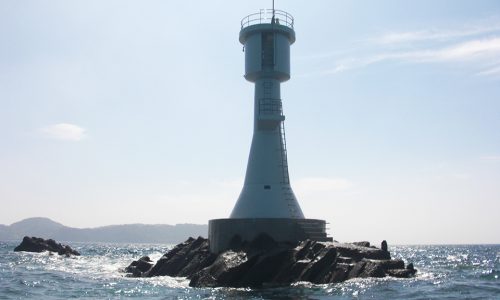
(127, 233)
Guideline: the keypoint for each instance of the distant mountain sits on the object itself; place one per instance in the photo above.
(130, 233)
(36, 226)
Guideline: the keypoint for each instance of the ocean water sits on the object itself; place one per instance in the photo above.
(445, 272)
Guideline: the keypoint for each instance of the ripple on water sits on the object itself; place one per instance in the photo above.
(444, 272)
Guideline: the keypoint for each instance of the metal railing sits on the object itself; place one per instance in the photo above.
(268, 16)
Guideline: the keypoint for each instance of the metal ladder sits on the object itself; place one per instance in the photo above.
(284, 160)
(268, 105)
(286, 189)
(290, 201)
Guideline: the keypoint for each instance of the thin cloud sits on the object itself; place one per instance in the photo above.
(436, 34)
(477, 47)
(64, 131)
(481, 48)
(477, 51)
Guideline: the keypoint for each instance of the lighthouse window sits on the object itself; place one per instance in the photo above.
(267, 187)
(267, 49)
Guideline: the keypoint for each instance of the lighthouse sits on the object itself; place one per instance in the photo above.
(267, 192)
(267, 203)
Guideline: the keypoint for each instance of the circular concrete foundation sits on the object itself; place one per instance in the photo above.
(222, 232)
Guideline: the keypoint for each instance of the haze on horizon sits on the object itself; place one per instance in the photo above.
(118, 112)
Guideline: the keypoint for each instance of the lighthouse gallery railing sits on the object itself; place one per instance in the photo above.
(265, 16)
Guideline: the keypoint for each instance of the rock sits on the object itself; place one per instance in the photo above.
(140, 266)
(362, 244)
(265, 269)
(35, 244)
(358, 252)
(392, 264)
(293, 273)
(356, 270)
(340, 272)
(373, 269)
(184, 259)
(320, 267)
(345, 260)
(401, 273)
(265, 262)
(225, 270)
(383, 245)
(303, 249)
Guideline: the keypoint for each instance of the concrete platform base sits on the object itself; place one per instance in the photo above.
(223, 232)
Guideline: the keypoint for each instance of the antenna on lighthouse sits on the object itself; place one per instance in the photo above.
(273, 18)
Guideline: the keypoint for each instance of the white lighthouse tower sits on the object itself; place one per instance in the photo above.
(267, 192)
(267, 204)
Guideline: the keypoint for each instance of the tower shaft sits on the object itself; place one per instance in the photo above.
(267, 192)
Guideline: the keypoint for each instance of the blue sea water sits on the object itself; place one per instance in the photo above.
(445, 272)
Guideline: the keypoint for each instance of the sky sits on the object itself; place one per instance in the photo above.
(116, 112)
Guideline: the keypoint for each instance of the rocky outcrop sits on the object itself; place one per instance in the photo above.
(264, 262)
(137, 267)
(34, 244)
(184, 259)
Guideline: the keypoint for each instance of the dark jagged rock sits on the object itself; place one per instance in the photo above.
(373, 269)
(356, 269)
(393, 264)
(340, 272)
(35, 244)
(401, 273)
(320, 265)
(345, 260)
(265, 268)
(290, 274)
(362, 244)
(184, 259)
(140, 266)
(265, 262)
(359, 252)
(225, 269)
(383, 246)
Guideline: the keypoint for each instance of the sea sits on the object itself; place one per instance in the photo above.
(444, 272)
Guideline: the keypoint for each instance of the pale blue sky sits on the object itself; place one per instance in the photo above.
(137, 112)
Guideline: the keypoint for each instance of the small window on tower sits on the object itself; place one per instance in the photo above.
(267, 187)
